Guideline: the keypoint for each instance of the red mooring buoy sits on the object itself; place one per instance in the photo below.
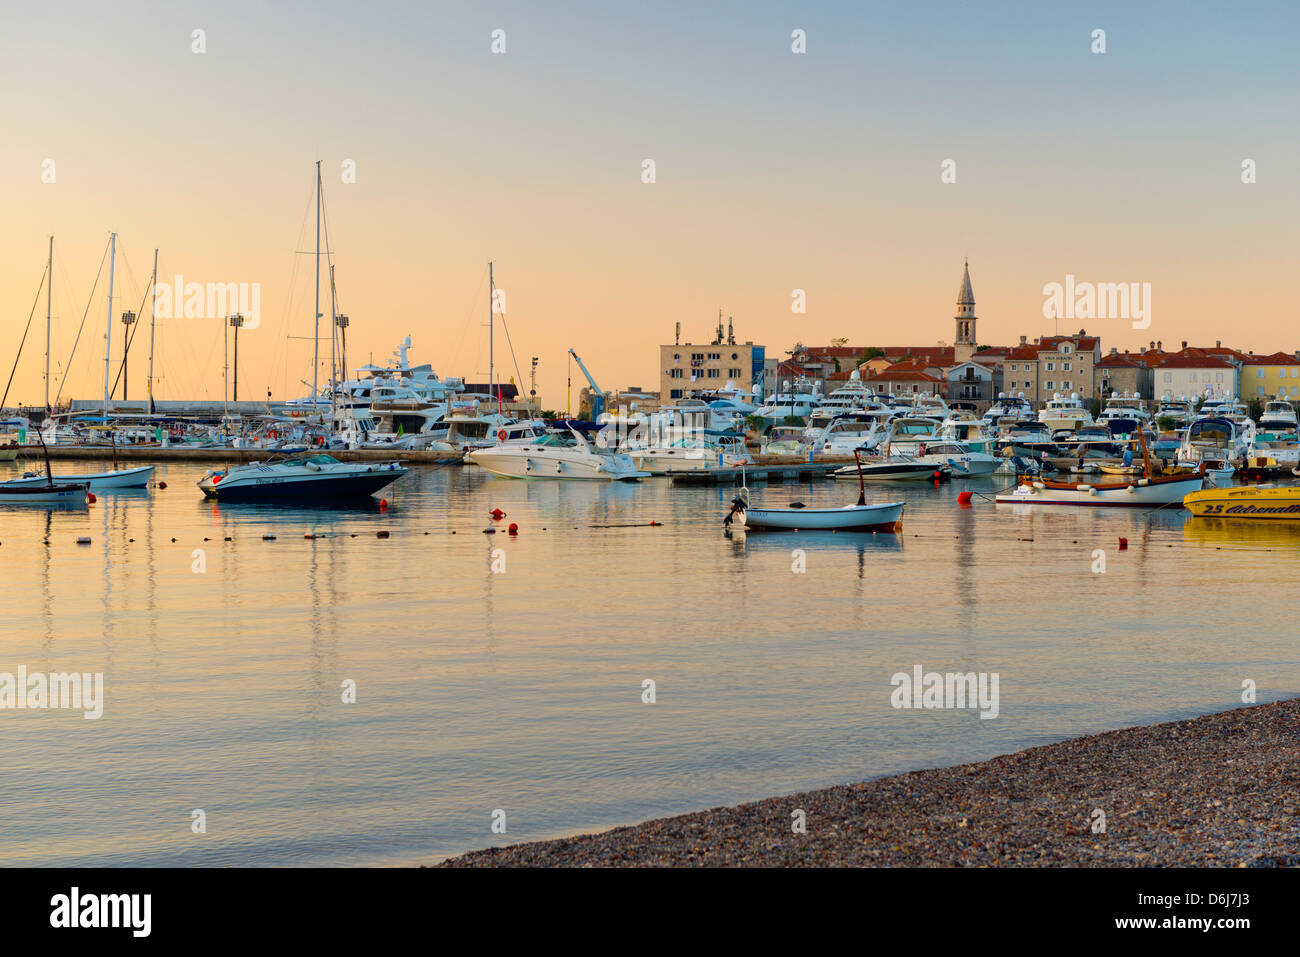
(497, 514)
(513, 529)
(1123, 543)
(964, 498)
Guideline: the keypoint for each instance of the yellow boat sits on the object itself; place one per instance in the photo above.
(1248, 501)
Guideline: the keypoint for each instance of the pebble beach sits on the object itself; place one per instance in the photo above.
(1222, 790)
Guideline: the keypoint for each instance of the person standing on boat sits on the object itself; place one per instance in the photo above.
(1128, 458)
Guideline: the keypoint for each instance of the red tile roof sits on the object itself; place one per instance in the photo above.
(1276, 359)
(935, 355)
(894, 374)
(1192, 362)
(1120, 360)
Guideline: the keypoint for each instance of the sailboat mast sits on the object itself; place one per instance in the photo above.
(49, 290)
(153, 299)
(108, 334)
(491, 351)
(315, 356)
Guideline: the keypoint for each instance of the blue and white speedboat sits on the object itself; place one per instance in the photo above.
(300, 480)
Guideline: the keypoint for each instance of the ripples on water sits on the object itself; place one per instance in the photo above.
(522, 690)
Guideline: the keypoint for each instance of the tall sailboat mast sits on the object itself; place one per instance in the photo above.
(491, 350)
(49, 289)
(108, 333)
(153, 299)
(315, 355)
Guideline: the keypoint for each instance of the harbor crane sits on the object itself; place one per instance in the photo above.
(598, 397)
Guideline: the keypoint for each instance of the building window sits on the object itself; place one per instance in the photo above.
(715, 355)
(1049, 385)
(674, 373)
(715, 373)
(1259, 373)
(1065, 349)
(1065, 383)
(1169, 377)
(1013, 367)
(675, 394)
(1281, 373)
(1051, 367)
(1065, 366)
(1218, 376)
(1259, 390)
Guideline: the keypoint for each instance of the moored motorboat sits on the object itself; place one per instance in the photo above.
(557, 456)
(1266, 503)
(300, 480)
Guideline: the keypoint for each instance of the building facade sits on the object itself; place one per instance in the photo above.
(686, 369)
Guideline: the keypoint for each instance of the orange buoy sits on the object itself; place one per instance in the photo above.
(964, 498)
(513, 529)
(90, 497)
(383, 504)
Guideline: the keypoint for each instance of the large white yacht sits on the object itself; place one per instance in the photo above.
(1065, 412)
(557, 456)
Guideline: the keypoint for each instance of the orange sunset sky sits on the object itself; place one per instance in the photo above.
(775, 171)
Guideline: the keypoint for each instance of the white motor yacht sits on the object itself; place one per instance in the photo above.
(557, 456)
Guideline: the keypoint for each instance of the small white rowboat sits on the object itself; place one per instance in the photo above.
(98, 481)
(884, 517)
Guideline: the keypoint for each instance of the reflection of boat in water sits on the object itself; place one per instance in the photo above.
(1247, 503)
(1242, 531)
(823, 540)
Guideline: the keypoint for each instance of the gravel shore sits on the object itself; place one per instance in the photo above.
(1221, 790)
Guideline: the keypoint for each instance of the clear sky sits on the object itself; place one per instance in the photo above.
(774, 171)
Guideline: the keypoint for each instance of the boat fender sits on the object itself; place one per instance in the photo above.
(528, 465)
(1040, 486)
(1085, 488)
(1144, 481)
(1133, 489)
(559, 467)
(1092, 491)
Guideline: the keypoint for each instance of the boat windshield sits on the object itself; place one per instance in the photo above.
(311, 459)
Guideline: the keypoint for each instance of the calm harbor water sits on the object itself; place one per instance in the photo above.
(521, 689)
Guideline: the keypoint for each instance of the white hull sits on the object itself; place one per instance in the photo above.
(882, 517)
(555, 462)
(98, 481)
(1134, 495)
(59, 496)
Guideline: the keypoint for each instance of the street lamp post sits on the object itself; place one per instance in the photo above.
(342, 323)
(237, 323)
(128, 320)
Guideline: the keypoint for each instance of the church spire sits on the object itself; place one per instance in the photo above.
(966, 297)
(965, 319)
